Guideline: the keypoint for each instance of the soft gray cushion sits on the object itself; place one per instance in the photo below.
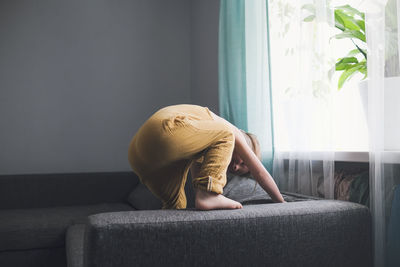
(247, 191)
(142, 199)
(45, 228)
(241, 189)
(307, 233)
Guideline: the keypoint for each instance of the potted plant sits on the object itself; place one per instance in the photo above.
(351, 23)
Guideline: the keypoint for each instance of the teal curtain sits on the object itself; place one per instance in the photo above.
(244, 73)
(232, 63)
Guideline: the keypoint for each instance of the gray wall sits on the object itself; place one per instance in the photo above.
(78, 77)
(204, 82)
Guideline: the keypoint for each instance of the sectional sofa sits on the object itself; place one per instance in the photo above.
(92, 219)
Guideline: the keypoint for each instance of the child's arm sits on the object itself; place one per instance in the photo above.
(253, 163)
(256, 168)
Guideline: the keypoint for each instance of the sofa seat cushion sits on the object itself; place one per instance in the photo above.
(45, 227)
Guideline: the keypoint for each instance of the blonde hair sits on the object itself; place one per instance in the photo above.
(253, 143)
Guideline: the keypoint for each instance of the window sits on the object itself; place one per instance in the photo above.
(294, 67)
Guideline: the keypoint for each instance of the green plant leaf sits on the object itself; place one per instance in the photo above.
(347, 74)
(361, 24)
(353, 53)
(363, 68)
(339, 23)
(343, 66)
(349, 22)
(351, 11)
(348, 60)
(363, 71)
(350, 34)
(345, 63)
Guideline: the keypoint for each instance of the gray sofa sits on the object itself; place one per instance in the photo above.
(37, 209)
(86, 220)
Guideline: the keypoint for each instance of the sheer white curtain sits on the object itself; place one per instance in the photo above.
(303, 99)
(384, 127)
(302, 58)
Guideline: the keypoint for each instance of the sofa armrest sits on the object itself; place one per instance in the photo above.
(308, 233)
(74, 240)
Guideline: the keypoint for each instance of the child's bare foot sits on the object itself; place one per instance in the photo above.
(210, 200)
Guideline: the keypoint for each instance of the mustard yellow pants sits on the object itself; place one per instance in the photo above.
(168, 143)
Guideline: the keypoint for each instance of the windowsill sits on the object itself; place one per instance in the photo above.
(389, 157)
(352, 156)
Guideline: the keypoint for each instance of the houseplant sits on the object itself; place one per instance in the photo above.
(351, 23)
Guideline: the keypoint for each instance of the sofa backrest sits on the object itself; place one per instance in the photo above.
(52, 190)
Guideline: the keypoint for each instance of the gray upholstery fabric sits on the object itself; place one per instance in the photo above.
(242, 189)
(74, 245)
(306, 233)
(53, 190)
(142, 199)
(45, 228)
(246, 191)
(49, 257)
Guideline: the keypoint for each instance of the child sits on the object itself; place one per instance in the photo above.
(182, 137)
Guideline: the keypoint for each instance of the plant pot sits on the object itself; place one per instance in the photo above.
(391, 111)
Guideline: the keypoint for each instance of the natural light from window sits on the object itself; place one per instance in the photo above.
(349, 121)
